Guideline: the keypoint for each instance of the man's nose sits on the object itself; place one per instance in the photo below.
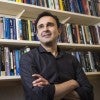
(45, 27)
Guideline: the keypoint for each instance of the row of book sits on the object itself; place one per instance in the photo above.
(21, 29)
(90, 7)
(80, 34)
(90, 61)
(9, 60)
(17, 29)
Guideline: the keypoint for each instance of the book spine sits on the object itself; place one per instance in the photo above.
(29, 30)
(1, 28)
(69, 33)
(17, 57)
(7, 63)
(56, 4)
(51, 4)
(19, 29)
(61, 4)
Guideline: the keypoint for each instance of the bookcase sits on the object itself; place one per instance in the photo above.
(10, 86)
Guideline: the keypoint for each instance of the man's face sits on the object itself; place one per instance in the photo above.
(47, 30)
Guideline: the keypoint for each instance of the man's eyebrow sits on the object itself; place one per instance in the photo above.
(50, 23)
(46, 24)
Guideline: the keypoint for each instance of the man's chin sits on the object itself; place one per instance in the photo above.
(47, 43)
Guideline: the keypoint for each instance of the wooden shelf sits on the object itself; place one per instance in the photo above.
(18, 78)
(10, 80)
(93, 74)
(64, 46)
(31, 11)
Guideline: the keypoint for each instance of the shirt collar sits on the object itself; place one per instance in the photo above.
(60, 52)
(41, 49)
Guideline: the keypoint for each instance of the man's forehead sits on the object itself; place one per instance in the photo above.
(46, 19)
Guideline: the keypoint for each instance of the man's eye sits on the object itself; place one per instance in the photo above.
(40, 26)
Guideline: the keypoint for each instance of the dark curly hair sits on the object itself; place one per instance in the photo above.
(46, 13)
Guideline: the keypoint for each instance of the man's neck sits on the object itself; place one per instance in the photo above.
(52, 49)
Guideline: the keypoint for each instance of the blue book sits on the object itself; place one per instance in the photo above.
(80, 6)
(28, 2)
(17, 57)
(13, 34)
(7, 28)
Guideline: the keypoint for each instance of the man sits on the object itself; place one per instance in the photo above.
(49, 73)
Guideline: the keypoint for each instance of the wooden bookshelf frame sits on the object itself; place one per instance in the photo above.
(65, 46)
(16, 80)
(14, 9)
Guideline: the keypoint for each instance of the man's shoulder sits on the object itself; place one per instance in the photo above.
(66, 53)
(31, 53)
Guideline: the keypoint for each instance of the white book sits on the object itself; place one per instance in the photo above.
(18, 29)
(83, 33)
(56, 4)
(69, 33)
(1, 28)
(51, 4)
(91, 62)
(98, 33)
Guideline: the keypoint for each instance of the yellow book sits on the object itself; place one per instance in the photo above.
(20, 1)
(61, 4)
(29, 30)
(17, 0)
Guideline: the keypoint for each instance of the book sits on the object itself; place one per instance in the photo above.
(69, 33)
(24, 29)
(51, 4)
(7, 61)
(83, 34)
(91, 62)
(63, 34)
(67, 5)
(1, 28)
(19, 29)
(80, 6)
(29, 30)
(98, 33)
(56, 4)
(86, 8)
(17, 58)
(96, 58)
(88, 35)
(2, 68)
(6, 22)
(74, 33)
(61, 5)
(12, 26)
(93, 32)
(11, 64)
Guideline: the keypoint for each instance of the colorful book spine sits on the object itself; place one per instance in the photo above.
(29, 30)
(61, 5)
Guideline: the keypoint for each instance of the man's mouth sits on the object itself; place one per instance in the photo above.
(46, 34)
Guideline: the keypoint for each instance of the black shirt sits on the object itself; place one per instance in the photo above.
(56, 70)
